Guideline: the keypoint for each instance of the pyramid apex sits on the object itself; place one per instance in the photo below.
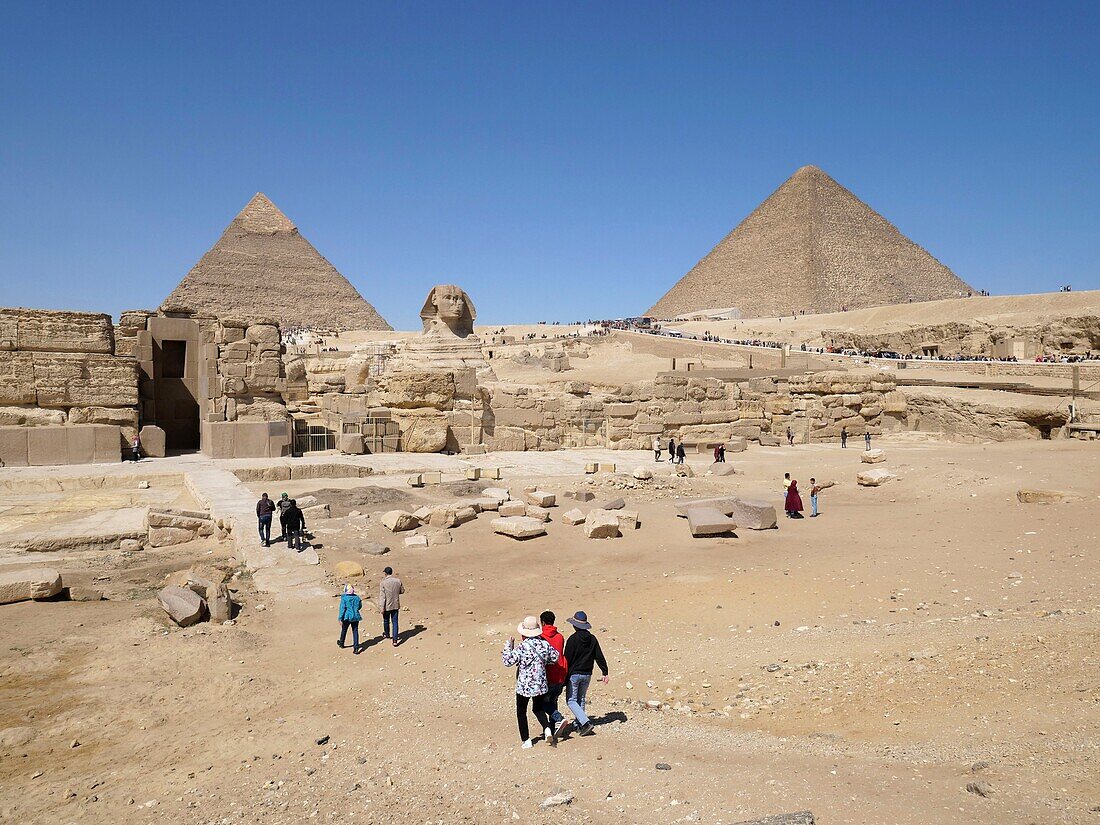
(261, 215)
(808, 170)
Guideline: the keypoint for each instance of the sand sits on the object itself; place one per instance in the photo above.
(929, 633)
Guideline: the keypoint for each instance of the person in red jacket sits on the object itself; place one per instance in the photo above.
(556, 675)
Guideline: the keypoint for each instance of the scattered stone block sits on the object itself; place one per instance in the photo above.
(424, 513)
(442, 518)
(601, 524)
(540, 513)
(683, 471)
(590, 468)
(491, 472)
(485, 504)
(348, 570)
(584, 496)
(416, 541)
(722, 469)
(519, 527)
(642, 473)
(33, 583)
(218, 604)
(628, 520)
(373, 548)
(397, 521)
(1033, 496)
(82, 593)
(513, 508)
(573, 517)
(607, 468)
(768, 440)
(433, 477)
(613, 504)
(875, 456)
(317, 511)
(797, 818)
(465, 514)
(130, 545)
(352, 444)
(541, 499)
(737, 445)
(153, 441)
(708, 521)
(473, 474)
(501, 494)
(168, 536)
(182, 604)
(415, 480)
(437, 537)
(752, 513)
(873, 478)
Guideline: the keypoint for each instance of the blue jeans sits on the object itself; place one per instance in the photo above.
(294, 539)
(813, 505)
(344, 625)
(265, 529)
(578, 690)
(550, 703)
(389, 617)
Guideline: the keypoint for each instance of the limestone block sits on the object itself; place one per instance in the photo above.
(422, 433)
(536, 512)
(752, 513)
(737, 445)
(583, 495)
(152, 441)
(168, 536)
(33, 583)
(488, 504)
(317, 511)
(433, 477)
(397, 521)
(1032, 496)
(605, 467)
(437, 537)
(17, 378)
(473, 473)
(78, 444)
(44, 330)
(125, 418)
(540, 498)
(415, 480)
(81, 593)
(573, 517)
(65, 379)
(875, 456)
(708, 521)
(260, 408)
(768, 440)
(218, 603)
(591, 468)
(628, 520)
(501, 494)
(519, 527)
(513, 508)
(722, 469)
(442, 518)
(642, 473)
(683, 471)
(412, 389)
(601, 524)
(13, 447)
(622, 410)
(262, 334)
(873, 478)
(464, 514)
(416, 541)
(352, 444)
(31, 417)
(612, 504)
(183, 605)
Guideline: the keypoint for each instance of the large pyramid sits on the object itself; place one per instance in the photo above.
(813, 246)
(262, 267)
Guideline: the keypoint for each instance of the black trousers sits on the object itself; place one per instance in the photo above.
(521, 715)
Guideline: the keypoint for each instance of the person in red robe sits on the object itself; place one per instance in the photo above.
(793, 504)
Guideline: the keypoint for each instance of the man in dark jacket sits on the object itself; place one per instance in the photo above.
(282, 505)
(672, 450)
(264, 508)
(295, 522)
(582, 650)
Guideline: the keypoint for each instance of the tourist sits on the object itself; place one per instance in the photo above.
(672, 450)
(867, 440)
(557, 674)
(843, 438)
(264, 508)
(716, 455)
(786, 484)
(135, 448)
(294, 524)
(721, 453)
(389, 604)
(790, 437)
(793, 503)
(349, 616)
(657, 447)
(681, 454)
(530, 659)
(814, 490)
(582, 650)
(283, 503)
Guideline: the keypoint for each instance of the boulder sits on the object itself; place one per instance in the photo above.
(130, 545)
(642, 473)
(613, 504)
(519, 527)
(513, 508)
(465, 514)
(722, 469)
(683, 471)
(873, 478)
(540, 513)
(573, 517)
(183, 605)
(218, 604)
(33, 583)
(752, 513)
(501, 494)
(348, 570)
(443, 518)
(875, 456)
(540, 498)
(153, 441)
(709, 521)
(81, 593)
(1033, 496)
(492, 504)
(601, 524)
(397, 521)
(628, 520)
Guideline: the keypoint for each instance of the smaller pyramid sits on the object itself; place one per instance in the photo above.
(261, 266)
(812, 246)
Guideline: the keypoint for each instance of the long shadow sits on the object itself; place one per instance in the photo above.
(405, 635)
(608, 718)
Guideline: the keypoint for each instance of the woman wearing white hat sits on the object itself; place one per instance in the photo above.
(530, 659)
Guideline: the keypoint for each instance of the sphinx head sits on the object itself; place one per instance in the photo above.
(448, 310)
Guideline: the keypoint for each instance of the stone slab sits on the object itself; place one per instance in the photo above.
(519, 527)
(33, 583)
(708, 521)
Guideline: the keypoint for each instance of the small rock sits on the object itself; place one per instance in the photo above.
(557, 799)
(979, 788)
(772, 668)
(323, 740)
(664, 766)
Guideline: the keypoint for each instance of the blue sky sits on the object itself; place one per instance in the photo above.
(559, 160)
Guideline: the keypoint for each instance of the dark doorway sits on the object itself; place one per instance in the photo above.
(176, 408)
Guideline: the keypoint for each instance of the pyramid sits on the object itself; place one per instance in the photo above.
(262, 267)
(813, 246)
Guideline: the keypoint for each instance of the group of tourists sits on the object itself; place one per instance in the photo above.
(546, 666)
(389, 606)
(291, 519)
(676, 452)
(792, 499)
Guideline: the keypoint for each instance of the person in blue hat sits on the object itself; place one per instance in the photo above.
(582, 651)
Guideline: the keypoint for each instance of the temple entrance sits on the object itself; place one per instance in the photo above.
(170, 396)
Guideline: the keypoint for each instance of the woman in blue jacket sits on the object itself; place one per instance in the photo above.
(349, 617)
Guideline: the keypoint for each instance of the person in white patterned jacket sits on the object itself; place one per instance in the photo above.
(530, 658)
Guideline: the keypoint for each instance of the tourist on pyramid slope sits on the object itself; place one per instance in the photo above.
(264, 508)
(530, 658)
(582, 650)
(556, 674)
(389, 603)
(793, 504)
(349, 616)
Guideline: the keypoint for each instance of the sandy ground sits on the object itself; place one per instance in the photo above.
(927, 634)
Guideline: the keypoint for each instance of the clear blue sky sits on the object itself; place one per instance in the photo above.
(559, 160)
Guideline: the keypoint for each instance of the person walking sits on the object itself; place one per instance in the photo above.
(294, 524)
(135, 448)
(530, 658)
(389, 604)
(786, 484)
(657, 448)
(681, 454)
(790, 437)
(556, 674)
(264, 508)
(793, 503)
(721, 453)
(843, 438)
(582, 650)
(814, 490)
(672, 450)
(282, 504)
(867, 440)
(350, 605)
